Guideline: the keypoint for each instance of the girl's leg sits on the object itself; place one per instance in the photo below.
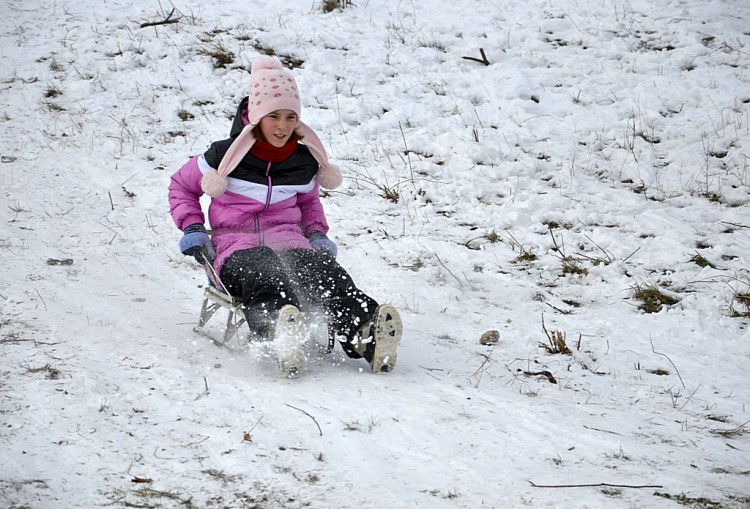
(323, 282)
(258, 277)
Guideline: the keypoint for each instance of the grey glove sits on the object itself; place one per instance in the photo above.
(322, 244)
(194, 241)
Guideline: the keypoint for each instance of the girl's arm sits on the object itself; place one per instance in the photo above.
(184, 195)
(313, 216)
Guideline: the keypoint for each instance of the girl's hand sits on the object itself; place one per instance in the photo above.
(322, 244)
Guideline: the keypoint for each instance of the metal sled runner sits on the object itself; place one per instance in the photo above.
(215, 297)
(214, 300)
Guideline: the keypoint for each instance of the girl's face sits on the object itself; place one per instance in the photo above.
(278, 126)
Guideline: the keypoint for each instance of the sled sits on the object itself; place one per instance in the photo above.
(215, 297)
(214, 300)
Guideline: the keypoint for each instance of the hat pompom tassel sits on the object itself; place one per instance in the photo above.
(213, 184)
(329, 177)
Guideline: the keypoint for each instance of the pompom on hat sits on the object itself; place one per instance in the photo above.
(271, 88)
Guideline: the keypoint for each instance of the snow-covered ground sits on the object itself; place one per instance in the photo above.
(603, 151)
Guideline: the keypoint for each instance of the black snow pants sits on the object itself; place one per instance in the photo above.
(266, 280)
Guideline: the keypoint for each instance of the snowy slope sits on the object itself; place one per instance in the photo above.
(602, 151)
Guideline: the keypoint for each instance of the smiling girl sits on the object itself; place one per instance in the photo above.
(268, 242)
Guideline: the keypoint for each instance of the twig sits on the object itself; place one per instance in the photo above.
(166, 21)
(690, 397)
(486, 363)
(42, 299)
(256, 424)
(310, 416)
(670, 361)
(406, 151)
(631, 254)
(562, 311)
(449, 270)
(738, 225)
(608, 256)
(595, 485)
(602, 430)
(728, 433)
(482, 60)
(544, 373)
(556, 341)
(198, 442)
(554, 241)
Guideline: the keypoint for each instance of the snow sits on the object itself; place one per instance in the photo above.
(612, 136)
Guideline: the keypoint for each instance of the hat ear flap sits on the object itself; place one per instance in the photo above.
(329, 177)
(215, 183)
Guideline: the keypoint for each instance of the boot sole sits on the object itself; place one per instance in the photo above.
(288, 343)
(387, 335)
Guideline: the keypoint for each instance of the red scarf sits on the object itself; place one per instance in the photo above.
(267, 152)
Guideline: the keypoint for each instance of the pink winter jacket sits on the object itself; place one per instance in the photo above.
(266, 204)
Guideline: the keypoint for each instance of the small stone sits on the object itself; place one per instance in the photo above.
(490, 337)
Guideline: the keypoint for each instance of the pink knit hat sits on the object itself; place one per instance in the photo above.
(272, 88)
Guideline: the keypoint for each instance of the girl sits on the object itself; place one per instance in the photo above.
(269, 244)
